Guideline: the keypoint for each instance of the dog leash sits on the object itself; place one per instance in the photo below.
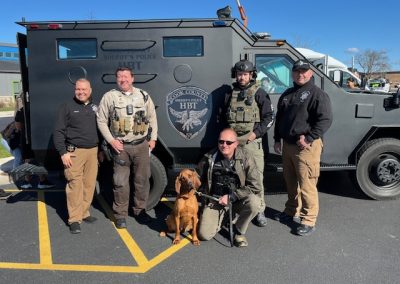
(230, 212)
(207, 196)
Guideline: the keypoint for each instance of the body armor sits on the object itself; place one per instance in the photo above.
(243, 110)
(129, 115)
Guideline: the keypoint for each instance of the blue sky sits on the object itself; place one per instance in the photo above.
(329, 27)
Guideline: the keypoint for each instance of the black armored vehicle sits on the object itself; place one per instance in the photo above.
(185, 65)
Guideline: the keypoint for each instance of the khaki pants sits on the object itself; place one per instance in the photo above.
(81, 182)
(213, 214)
(255, 148)
(301, 171)
(137, 159)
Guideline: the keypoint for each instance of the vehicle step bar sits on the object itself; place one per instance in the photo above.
(27, 169)
(275, 167)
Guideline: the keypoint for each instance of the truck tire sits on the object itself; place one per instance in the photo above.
(158, 182)
(378, 169)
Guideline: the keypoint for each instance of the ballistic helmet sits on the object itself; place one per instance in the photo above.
(244, 66)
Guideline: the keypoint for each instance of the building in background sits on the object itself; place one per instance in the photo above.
(10, 77)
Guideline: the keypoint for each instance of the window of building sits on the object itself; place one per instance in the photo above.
(8, 54)
(77, 48)
(183, 46)
(274, 73)
(17, 88)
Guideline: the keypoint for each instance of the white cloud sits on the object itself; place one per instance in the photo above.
(352, 50)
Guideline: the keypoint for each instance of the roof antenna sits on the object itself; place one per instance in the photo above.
(242, 13)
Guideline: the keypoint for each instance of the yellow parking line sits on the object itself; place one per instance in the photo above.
(130, 243)
(33, 190)
(165, 254)
(72, 267)
(46, 262)
(44, 235)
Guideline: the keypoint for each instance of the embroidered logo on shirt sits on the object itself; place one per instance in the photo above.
(304, 96)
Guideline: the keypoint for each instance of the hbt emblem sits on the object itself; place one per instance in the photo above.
(188, 110)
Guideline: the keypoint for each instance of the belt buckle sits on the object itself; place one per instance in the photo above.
(71, 148)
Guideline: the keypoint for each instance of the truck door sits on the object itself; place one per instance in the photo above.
(274, 76)
(22, 49)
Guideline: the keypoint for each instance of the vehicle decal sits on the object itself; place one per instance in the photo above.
(188, 110)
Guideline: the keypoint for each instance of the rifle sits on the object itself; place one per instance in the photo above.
(230, 220)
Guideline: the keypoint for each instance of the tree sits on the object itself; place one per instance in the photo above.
(372, 62)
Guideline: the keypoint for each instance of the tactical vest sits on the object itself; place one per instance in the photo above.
(243, 110)
(129, 115)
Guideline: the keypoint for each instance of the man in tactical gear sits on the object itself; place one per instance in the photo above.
(250, 113)
(230, 173)
(125, 118)
(304, 115)
(76, 138)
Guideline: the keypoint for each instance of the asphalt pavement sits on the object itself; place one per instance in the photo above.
(356, 240)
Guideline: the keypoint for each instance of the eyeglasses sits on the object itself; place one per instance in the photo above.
(227, 142)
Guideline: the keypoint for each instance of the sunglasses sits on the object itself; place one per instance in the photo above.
(227, 142)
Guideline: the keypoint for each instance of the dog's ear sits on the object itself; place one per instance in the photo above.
(178, 184)
(196, 180)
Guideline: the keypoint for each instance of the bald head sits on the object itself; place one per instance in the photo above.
(227, 143)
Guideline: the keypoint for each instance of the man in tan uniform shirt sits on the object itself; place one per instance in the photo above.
(124, 119)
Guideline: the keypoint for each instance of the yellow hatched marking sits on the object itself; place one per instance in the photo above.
(44, 235)
(130, 243)
(46, 263)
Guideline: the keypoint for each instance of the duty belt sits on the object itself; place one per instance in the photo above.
(135, 142)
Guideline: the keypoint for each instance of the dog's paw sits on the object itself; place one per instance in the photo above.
(176, 241)
(163, 234)
(196, 242)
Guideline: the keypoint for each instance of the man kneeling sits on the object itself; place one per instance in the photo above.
(230, 173)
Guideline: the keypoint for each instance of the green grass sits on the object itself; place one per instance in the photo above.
(7, 108)
(3, 152)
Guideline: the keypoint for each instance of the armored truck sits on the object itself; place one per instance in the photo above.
(185, 66)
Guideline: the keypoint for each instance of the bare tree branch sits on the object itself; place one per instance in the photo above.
(372, 61)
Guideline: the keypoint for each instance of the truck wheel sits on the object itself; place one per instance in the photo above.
(158, 182)
(378, 169)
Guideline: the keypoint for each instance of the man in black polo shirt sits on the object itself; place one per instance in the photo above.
(76, 139)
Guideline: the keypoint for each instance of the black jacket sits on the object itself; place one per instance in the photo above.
(76, 125)
(302, 110)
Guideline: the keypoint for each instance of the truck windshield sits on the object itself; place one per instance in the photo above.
(274, 73)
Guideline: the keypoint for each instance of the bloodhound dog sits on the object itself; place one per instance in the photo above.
(183, 217)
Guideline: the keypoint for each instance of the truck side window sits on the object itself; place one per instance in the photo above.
(187, 46)
(76, 48)
(274, 73)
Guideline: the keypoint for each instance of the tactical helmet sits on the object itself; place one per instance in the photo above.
(244, 66)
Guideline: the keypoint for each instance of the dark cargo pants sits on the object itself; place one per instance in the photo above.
(136, 158)
(301, 171)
